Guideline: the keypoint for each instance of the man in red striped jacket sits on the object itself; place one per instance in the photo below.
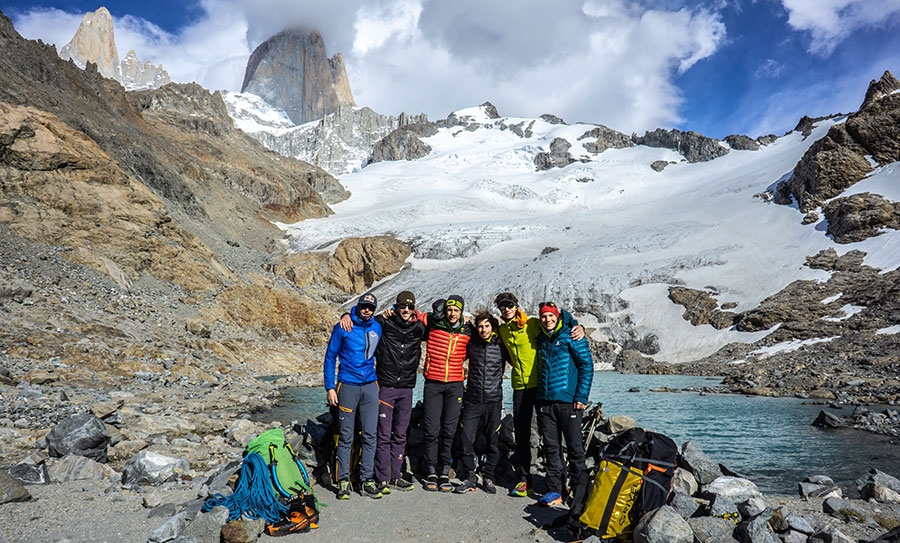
(447, 337)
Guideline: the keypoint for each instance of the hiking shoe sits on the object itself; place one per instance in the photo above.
(444, 484)
(488, 486)
(465, 486)
(384, 488)
(431, 483)
(371, 489)
(520, 490)
(550, 499)
(343, 492)
(402, 484)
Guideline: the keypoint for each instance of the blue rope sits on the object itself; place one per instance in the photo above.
(253, 496)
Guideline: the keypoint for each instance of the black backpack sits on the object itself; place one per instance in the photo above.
(632, 477)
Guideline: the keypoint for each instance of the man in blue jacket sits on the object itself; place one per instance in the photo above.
(564, 383)
(355, 392)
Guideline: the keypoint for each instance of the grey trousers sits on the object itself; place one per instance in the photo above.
(357, 402)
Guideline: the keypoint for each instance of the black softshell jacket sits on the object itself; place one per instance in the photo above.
(399, 351)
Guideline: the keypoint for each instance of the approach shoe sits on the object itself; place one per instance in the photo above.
(384, 488)
(488, 486)
(402, 484)
(371, 489)
(444, 484)
(520, 490)
(343, 492)
(465, 486)
(550, 499)
(431, 483)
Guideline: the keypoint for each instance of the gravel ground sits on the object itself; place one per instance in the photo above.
(100, 512)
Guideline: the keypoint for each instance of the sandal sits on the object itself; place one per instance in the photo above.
(444, 484)
(431, 483)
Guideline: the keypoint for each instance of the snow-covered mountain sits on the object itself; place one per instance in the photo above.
(339, 143)
(605, 236)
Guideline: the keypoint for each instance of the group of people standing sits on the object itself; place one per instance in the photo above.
(371, 366)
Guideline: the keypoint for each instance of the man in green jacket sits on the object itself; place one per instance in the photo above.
(519, 333)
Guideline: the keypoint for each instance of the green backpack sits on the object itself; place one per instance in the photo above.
(287, 473)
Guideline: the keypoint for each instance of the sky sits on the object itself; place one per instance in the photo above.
(717, 67)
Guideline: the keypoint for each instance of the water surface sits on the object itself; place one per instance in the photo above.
(771, 441)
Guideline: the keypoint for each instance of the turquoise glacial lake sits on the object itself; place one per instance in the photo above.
(771, 441)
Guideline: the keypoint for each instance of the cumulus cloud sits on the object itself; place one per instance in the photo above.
(831, 21)
(605, 61)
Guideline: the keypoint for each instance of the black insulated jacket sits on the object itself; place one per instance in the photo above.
(487, 361)
(399, 351)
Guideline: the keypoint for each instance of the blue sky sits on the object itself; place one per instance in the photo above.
(714, 66)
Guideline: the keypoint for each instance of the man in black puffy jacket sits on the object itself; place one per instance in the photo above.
(482, 401)
(396, 364)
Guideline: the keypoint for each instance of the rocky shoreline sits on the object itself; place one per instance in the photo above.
(190, 438)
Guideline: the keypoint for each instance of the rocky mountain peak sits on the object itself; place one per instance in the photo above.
(95, 41)
(881, 88)
(292, 72)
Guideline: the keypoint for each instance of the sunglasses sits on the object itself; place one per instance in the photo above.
(546, 304)
(404, 306)
(506, 305)
(367, 307)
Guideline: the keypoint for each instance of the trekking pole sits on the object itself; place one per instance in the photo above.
(598, 414)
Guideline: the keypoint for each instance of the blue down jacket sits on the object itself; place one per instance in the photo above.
(566, 368)
(355, 350)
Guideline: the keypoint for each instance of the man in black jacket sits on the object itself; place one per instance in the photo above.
(396, 364)
(482, 402)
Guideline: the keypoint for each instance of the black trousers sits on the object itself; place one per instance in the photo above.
(561, 421)
(442, 403)
(480, 418)
(524, 403)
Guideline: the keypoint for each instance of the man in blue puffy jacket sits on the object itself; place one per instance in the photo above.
(355, 392)
(564, 383)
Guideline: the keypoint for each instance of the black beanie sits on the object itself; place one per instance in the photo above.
(455, 300)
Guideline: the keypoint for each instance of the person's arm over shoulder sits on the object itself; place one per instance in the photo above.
(504, 354)
(576, 331)
(581, 354)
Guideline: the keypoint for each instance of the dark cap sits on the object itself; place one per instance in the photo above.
(369, 300)
(406, 298)
(506, 298)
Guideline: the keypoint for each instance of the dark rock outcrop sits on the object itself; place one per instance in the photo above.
(700, 307)
(860, 216)
(740, 142)
(693, 146)
(404, 143)
(605, 138)
(841, 158)
(558, 157)
(291, 71)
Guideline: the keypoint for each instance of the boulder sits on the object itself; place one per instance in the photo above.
(757, 530)
(685, 482)
(701, 465)
(207, 527)
(830, 534)
(664, 525)
(736, 489)
(243, 531)
(843, 510)
(12, 490)
(149, 467)
(83, 435)
(684, 504)
(79, 468)
(712, 530)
